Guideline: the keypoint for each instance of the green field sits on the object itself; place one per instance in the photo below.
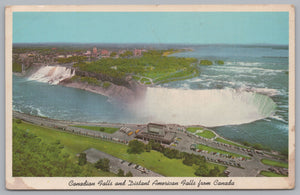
(194, 129)
(271, 174)
(210, 149)
(230, 143)
(110, 130)
(206, 134)
(74, 144)
(275, 163)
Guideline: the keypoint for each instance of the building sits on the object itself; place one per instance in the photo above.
(95, 52)
(137, 52)
(104, 52)
(157, 132)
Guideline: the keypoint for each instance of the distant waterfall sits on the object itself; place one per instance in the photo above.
(52, 74)
(206, 107)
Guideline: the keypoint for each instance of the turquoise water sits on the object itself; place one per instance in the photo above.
(247, 70)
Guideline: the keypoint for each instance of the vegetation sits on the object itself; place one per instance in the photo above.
(120, 173)
(82, 159)
(129, 174)
(203, 133)
(275, 163)
(74, 144)
(110, 130)
(17, 67)
(271, 174)
(211, 149)
(190, 160)
(205, 172)
(71, 59)
(102, 164)
(257, 146)
(91, 81)
(113, 54)
(194, 129)
(220, 62)
(151, 65)
(206, 62)
(135, 147)
(126, 54)
(34, 157)
(172, 51)
(207, 134)
(230, 143)
(106, 85)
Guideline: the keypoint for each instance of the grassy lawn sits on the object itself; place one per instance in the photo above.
(275, 163)
(230, 143)
(207, 134)
(153, 160)
(271, 174)
(193, 129)
(210, 149)
(110, 130)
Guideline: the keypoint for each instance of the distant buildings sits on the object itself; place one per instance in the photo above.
(105, 52)
(95, 52)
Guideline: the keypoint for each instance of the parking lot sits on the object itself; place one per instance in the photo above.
(94, 155)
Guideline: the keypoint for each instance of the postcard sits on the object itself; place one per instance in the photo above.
(133, 97)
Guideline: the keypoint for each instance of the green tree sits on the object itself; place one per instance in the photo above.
(82, 159)
(120, 173)
(129, 174)
(135, 147)
(102, 164)
(102, 129)
(113, 54)
(214, 172)
(202, 171)
(148, 147)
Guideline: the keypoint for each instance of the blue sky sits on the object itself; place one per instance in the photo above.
(150, 27)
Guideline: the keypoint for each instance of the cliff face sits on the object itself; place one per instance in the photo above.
(127, 90)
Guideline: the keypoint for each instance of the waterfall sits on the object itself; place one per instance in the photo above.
(52, 74)
(206, 107)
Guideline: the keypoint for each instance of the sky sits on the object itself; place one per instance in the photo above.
(152, 27)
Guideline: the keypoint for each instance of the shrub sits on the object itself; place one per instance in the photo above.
(120, 173)
(102, 164)
(206, 62)
(129, 174)
(82, 159)
(135, 147)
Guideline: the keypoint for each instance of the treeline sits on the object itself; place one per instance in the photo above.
(150, 65)
(71, 59)
(137, 147)
(257, 146)
(46, 50)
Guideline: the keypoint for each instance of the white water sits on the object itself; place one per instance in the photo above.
(52, 74)
(207, 107)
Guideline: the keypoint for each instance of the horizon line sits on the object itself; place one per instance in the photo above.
(89, 43)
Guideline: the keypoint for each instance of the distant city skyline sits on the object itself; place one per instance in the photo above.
(152, 27)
